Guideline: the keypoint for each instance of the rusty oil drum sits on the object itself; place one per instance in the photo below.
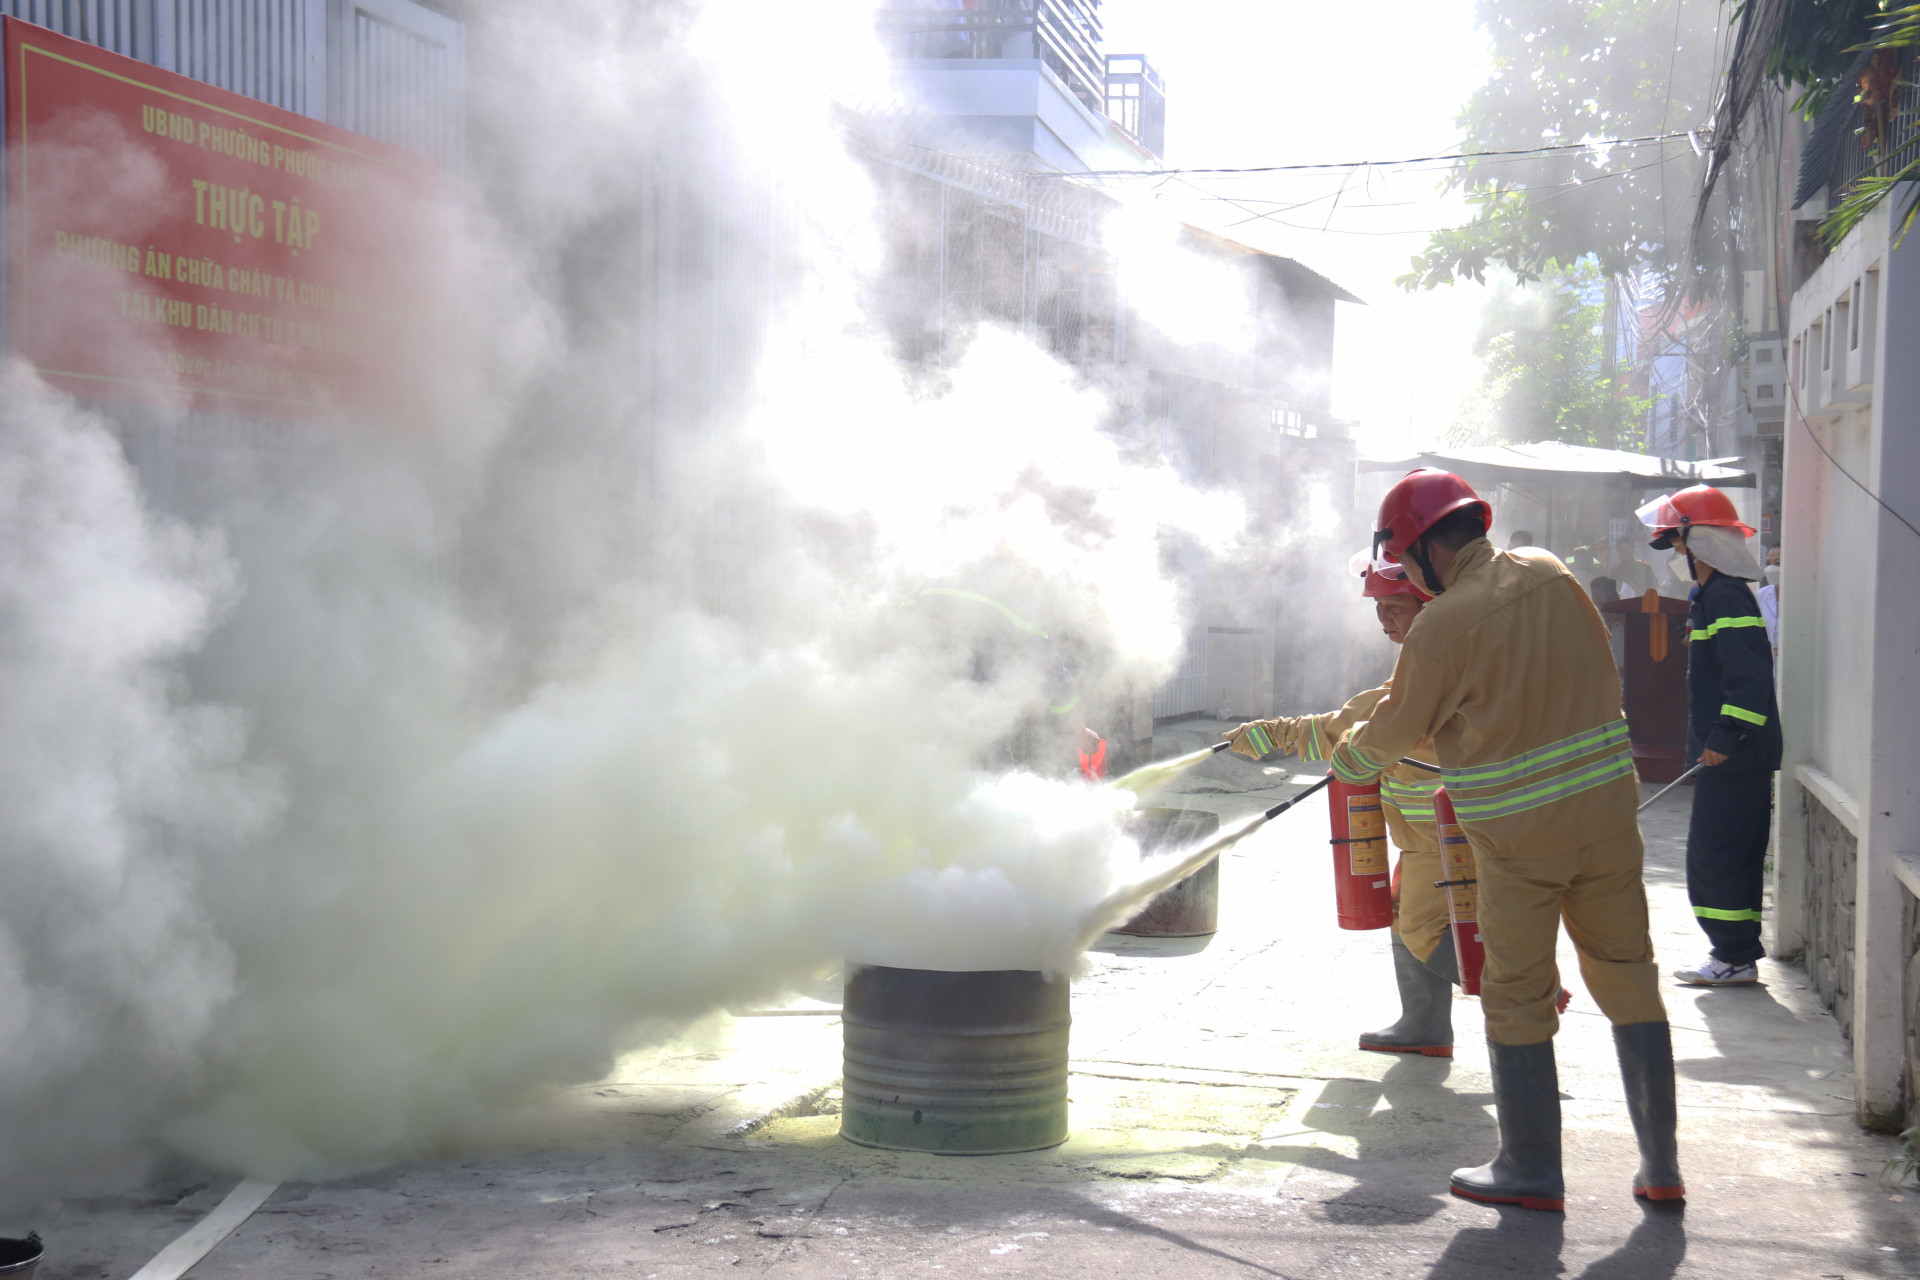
(954, 1063)
(1191, 908)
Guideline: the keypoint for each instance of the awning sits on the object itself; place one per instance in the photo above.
(1550, 459)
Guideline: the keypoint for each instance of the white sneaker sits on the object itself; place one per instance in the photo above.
(1716, 973)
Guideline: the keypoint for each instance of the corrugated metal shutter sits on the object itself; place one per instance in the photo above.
(272, 50)
(391, 69)
(397, 72)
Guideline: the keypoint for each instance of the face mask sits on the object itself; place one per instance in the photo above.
(1771, 575)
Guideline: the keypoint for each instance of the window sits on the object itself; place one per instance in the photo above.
(1853, 320)
(1766, 391)
(1763, 355)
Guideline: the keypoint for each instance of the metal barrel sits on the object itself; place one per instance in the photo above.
(1191, 908)
(19, 1259)
(954, 1063)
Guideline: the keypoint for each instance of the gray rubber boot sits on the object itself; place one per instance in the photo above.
(1426, 1011)
(1526, 1095)
(1444, 963)
(1646, 1069)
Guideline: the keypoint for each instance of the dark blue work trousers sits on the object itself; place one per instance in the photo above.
(1727, 859)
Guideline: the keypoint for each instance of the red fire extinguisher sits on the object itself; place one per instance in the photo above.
(1463, 899)
(1361, 877)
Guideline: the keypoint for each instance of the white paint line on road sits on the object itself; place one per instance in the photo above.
(173, 1261)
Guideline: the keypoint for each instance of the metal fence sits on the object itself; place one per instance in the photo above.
(973, 238)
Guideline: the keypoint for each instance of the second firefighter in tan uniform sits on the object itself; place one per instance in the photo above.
(1425, 965)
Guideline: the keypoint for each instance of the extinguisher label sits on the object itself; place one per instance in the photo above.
(1457, 857)
(1366, 835)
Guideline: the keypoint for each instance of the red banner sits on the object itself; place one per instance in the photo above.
(174, 243)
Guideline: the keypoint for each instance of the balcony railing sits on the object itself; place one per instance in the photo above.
(1064, 34)
(1137, 100)
(1870, 129)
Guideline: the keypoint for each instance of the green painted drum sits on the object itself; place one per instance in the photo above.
(954, 1063)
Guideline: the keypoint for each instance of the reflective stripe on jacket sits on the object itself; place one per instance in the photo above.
(1510, 673)
(1406, 792)
(1730, 703)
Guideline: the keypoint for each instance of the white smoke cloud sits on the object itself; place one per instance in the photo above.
(123, 798)
(396, 775)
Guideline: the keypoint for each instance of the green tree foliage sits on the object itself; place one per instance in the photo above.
(1543, 369)
(1568, 72)
(1817, 43)
(1896, 163)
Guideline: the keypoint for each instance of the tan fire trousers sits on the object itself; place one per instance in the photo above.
(1421, 918)
(1598, 891)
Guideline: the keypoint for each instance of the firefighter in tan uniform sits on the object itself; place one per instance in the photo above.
(1509, 672)
(1425, 971)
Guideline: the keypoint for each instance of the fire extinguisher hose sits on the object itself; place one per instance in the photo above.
(1285, 805)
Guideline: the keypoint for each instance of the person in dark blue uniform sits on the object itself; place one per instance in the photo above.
(1733, 729)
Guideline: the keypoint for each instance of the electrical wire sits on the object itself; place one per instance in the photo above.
(1553, 192)
(1552, 149)
(1793, 390)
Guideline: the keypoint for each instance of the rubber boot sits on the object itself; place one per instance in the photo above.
(1646, 1069)
(1426, 1011)
(1526, 1096)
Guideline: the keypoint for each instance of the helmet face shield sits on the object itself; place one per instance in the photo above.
(1362, 564)
(1379, 577)
(1658, 514)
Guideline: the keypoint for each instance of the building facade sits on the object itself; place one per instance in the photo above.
(1830, 327)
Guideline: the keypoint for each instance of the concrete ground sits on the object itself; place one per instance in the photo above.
(1223, 1125)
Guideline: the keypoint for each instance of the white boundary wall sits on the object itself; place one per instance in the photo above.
(1850, 623)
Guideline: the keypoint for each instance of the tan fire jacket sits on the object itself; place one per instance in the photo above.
(1510, 673)
(1406, 791)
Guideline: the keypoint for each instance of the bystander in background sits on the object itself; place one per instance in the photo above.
(1769, 597)
(1634, 575)
(1587, 560)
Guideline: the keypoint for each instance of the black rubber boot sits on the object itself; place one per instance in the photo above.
(1526, 1095)
(1646, 1069)
(1426, 1011)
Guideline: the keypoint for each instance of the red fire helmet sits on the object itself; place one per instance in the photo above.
(1701, 504)
(1418, 501)
(1380, 584)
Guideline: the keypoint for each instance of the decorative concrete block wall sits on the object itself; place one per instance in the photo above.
(1832, 855)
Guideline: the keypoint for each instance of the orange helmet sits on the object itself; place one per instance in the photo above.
(1702, 504)
(1418, 501)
